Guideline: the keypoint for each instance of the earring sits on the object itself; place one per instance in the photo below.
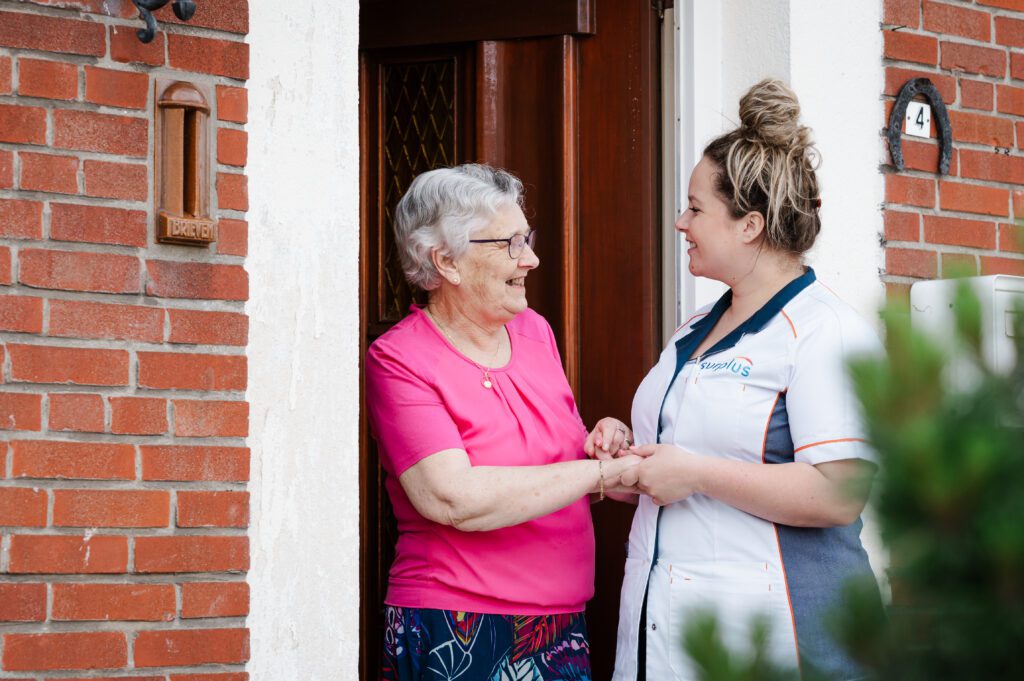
(455, 279)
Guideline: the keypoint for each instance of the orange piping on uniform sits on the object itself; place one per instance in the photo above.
(702, 314)
(789, 600)
(790, 322)
(764, 441)
(829, 442)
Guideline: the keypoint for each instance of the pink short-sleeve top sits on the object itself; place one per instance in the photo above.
(423, 396)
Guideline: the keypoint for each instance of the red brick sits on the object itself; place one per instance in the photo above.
(73, 460)
(240, 676)
(77, 271)
(957, 20)
(171, 279)
(992, 166)
(224, 15)
(22, 124)
(125, 89)
(105, 133)
(958, 232)
(82, 366)
(191, 554)
(214, 599)
(232, 104)
(231, 147)
(974, 199)
(76, 412)
(6, 81)
(117, 8)
(925, 156)
(209, 418)
(129, 181)
(976, 94)
(1018, 204)
(911, 263)
(993, 131)
(1017, 65)
(206, 55)
(126, 47)
(67, 554)
(955, 265)
(903, 46)
(50, 34)
(1011, 238)
(232, 237)
(20, 411)
(983, 60)
(1004, 4)
(910, 191)
(213, 509)
(21, 219)
(98, 224)
(208, 328)
(5, 265)
(138, 416)
(180, 648)
(47, 173)
(1010, 31)
(117, 602)
(111, 508)
(994, 265)
(21, 314)
(232, 191)
(902, 13)
(193, 464)
(47, 79)
(22, 602)
(1011, 100)
(180, 371)
(6, 169)
(21, 507)
(83, 319)
(43, 652)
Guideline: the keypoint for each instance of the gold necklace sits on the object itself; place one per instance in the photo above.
(486, 380)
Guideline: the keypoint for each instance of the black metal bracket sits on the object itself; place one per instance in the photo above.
(183, 9)
(920, 86)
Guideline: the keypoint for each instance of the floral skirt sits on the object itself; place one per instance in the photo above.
(439, 645)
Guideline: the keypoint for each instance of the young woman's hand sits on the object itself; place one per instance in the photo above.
(667, 474)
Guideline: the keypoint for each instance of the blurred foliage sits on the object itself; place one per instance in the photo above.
(949, 501)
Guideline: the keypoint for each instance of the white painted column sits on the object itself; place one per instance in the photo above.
(304, 339)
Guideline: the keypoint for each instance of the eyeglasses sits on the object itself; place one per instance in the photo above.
(516, 243)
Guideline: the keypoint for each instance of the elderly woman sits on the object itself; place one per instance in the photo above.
(483, 446)
(757, 469)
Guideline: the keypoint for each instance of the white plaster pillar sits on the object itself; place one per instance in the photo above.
(304, 339)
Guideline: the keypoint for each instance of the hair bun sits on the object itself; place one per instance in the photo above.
(770, 111)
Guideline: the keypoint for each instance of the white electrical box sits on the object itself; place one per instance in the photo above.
(1001, 297)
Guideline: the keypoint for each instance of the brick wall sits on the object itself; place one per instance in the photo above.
(123, 466)
(969, 220)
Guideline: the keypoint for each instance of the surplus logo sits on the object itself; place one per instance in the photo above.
(741, 366)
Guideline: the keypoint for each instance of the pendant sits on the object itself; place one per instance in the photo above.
(486, 382)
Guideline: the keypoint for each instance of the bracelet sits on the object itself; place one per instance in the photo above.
(600, 473)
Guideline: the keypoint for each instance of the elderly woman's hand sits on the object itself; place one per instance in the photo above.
(608, 437)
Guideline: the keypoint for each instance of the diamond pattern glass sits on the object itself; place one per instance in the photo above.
(419, 135)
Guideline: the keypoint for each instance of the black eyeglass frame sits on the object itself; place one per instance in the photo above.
(528, 239)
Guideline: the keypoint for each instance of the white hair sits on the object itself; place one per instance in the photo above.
(442, 208)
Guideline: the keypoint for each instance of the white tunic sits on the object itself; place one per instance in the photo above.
(775, 390)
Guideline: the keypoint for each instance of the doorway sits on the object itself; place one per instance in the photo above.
(564, 94)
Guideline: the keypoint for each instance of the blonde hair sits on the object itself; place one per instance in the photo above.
(768, 165)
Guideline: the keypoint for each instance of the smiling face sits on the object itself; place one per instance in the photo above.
(493, 285)
(719, 246)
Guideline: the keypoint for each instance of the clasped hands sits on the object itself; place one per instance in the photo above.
(665, 473)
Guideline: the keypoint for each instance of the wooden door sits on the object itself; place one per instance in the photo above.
(563, 93)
